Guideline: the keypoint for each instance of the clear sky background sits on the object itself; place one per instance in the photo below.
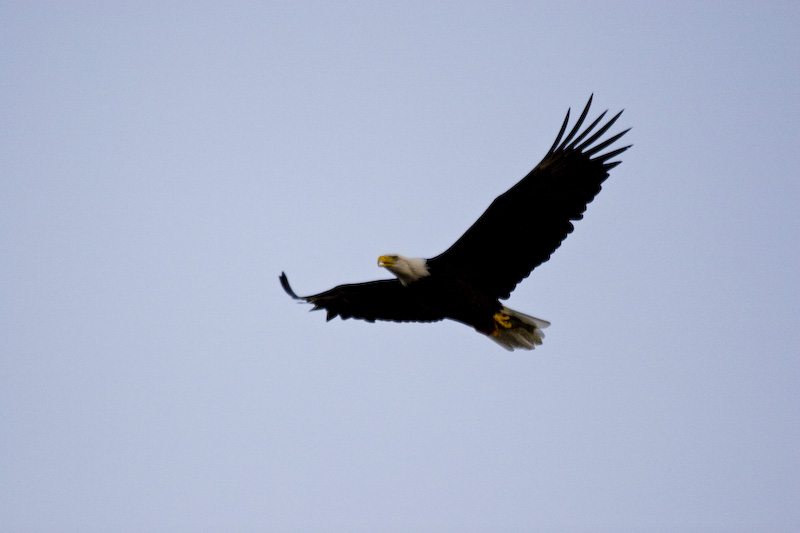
(162, 163)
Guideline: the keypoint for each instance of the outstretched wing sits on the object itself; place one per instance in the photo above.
(371, 301)
(525, 225)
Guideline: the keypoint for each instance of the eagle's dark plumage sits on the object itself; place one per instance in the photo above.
(518, 232)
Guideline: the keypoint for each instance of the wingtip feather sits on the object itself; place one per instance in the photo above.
(287, 287)
(560, 133)
(577, 125)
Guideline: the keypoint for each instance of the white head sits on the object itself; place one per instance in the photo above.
(407, 269)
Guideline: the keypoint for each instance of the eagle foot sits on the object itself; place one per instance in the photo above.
(501, 321)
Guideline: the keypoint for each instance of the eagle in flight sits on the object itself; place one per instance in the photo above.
(518, 232)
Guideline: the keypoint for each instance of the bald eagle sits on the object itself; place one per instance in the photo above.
(518, 232)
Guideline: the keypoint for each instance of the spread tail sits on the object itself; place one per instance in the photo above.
(518, 330)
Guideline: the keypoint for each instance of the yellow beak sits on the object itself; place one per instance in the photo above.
(386, 260)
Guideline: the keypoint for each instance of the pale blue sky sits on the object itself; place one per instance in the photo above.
(161, 164)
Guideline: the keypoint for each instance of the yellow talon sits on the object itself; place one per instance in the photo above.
(502, 320)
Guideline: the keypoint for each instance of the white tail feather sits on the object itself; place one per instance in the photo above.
(525, 332)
